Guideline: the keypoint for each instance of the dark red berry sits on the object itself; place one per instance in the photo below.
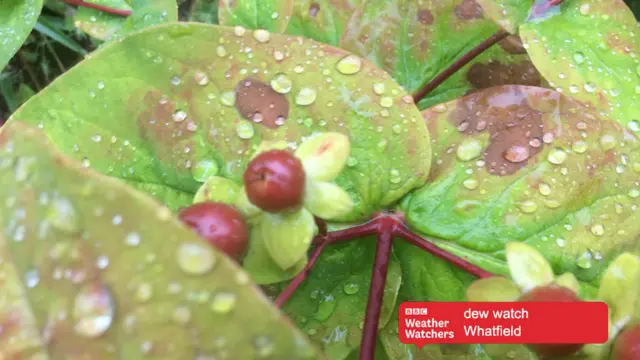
(552, 293)
(274, 181)
(626, 346)
(219, 224)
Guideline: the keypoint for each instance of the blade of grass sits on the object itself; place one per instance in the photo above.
(47, 28)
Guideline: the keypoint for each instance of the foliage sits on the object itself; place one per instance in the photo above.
(525, 158)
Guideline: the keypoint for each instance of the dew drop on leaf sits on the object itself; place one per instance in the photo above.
(349, 65)
(195, 258)
(181, 315)
(62, 215)
(607, 142)
(378, 88)
(516, 153)
(325, 308)
(132, 239)
(223, 302)
(351, 288)
(573, 89)
(239, 31)
(597, 229)
(228, 98)
(264, 346)
(245, 130)
(578, 58)
(93, 310)
(261, 35)
(544, 189)
(175, 80)
(579, 146)
(528, 206)
(386, 101)
(470, 184)
(394, 176)
(221, 51)
(589, 87)
(584, 260)
(201, 78)
(32, 278)
(557, 156)
(469, 149)
(634, 125)
(179, 116)
(281, 83)
(306, 96)
(24, 168)
(204, 169)
(144, 292)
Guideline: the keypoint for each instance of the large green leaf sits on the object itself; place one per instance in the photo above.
(509, 14)
(272, 15)
(321, 20)
(17, 18)
(107, 27)
(330, 305)
(528, 164)
(416, 40)
(588, 50)
(162, 103)
(93, 269)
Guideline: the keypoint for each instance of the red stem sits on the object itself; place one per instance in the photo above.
(459, 64)
(386, 227)
(105, 9)
(369, 228)
(406, 234)
(298, 279)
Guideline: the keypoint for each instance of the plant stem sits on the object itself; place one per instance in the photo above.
(366, 229)
(105, 9)
(376, 290)
(406, 234)
(458, 64)
(300, 277)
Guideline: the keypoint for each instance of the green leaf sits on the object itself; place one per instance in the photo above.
(17, 18)
(620, 288)
(585, 51)
(509, 14)
(326, 200)
(205, 11)
(548, 172)
(414, 41)
(331, 303)
(150, 108)
(272, 15)
(287, 236)
(321, 20)
(106, 27)
(261, 266)
(101, 279)
(528, 268)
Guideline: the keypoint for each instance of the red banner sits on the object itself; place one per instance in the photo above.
(424, 323)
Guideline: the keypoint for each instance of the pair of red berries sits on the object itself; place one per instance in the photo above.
(625, 347)
(274, 181)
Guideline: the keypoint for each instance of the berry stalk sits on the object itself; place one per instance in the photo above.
(102, 8)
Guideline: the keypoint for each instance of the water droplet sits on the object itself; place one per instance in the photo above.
(584, 261)
(349, 65)
(552, 204)
(239, 30)
(261, 35)
(560, 242)
(597, 229)
(228, 98)
(281, 83)
(24, 167)
(132, 239)
(578, 58)
(394, 176)
(378, 88)
(469, 149)
(221, 51)
(351, 288)
(93, 310)
(179, 116)
(557, 156)
(544, 189)
(573, 89)
(245, 130)
(516, 153)
(181, 315)
(201, 78)
(32, 278)
(195, 258)
(144, 292)
(325, 308)
(386, 101)
(96, 137)
(264, 346)
(607, 142)
(223, 302)
(589, 87)
(579, 146)
(528, 207)
(535, 142)
(470, 184)
(634, 193)
(62, 215)
(351, 161)
(175, 80)
(204, 169)
(306, 96)
(634, 125)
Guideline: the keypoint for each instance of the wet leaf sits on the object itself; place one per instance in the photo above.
(509, 14)
(287, 236)
(17, 19)
(620, 288)
(587, 51)
(321, 20)
(329, 306)
(416, 40)
(549, 172)
(528, 268)
(272, 15)
(101, 279)
(173, 96)
(106, 27)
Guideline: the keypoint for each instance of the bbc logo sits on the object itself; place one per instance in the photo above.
(416, 311)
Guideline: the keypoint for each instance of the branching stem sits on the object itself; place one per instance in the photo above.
(458, 64)
(102, 8)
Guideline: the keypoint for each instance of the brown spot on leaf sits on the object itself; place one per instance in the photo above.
(469, 9)
(495, 74)
(513, 45)
(515, 128)
(314, 8)
(425, 17)
(258, 102)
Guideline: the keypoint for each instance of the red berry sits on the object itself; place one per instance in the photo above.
(274, 181)
(626, 346)
(552, 293)
(219, 224)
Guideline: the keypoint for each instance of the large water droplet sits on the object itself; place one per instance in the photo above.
(579, 146)
(349, 65)
(578, 58)
(223, 302)
(544, 189)
(261, 35)
(195, 258)
(378, 88)
(584, 261)
(597, 229)
(281, 83)
(516, 153)
(228, 98)
(144, 292)
(306, 96)
(470, 184)
(325, 308)
(351, 288)
(245, 130)
(557, 156)
(607, 142)
(201, 78)
(93, 310)
(528, 206)
(181, 315)
(394, 176)
(469, 149)
(634, 125)
(386, 101)
(204, 169)
(264, 346)
(179, 116)
(62, 215)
